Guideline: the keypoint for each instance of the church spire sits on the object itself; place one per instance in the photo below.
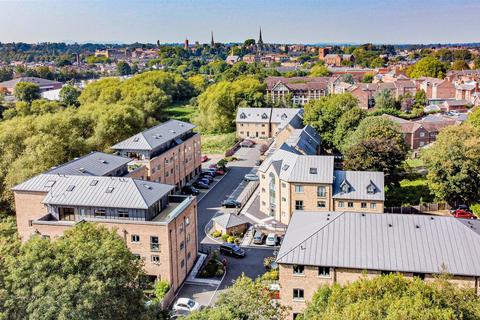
(212, 43)
(260, 40)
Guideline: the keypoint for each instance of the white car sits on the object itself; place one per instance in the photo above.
(271, 239)
(186, 304)
(251, 177)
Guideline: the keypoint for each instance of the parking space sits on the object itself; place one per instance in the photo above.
(201, 293)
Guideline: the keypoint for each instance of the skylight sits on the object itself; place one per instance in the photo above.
(313, 170)
(70, 187)
(109, 190)
(93, 183)
(147, 186)
(285, 167)
(50, 183)
(135, 139)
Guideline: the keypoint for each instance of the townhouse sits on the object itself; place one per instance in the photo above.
(325, 248)
(169, 153)
(264, 123)
(156, 226)
(422, 132)
(299, 90)
(366, 92)
(293, 180)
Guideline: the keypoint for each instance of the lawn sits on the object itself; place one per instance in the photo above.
(180, 111)
(414, 163)
(411, 191)
(217, 143)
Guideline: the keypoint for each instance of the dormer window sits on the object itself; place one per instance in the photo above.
(284, 116)
(371, 188)
(264, 116)
(242, 116)
(345, 187)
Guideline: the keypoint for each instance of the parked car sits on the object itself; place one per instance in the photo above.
(259, 237)
(206, 176)
(251, 177)
(464, 214)
(205, 180)
(204, 158)
(258, 162)
(272, 239)
(220, 172)
(210, 171)
(200, 185)
(187, 305)
(179, 314)
(247, 143)
(188, 189)
(231, 203)
(232, 250)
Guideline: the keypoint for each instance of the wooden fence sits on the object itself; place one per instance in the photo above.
(423, 208)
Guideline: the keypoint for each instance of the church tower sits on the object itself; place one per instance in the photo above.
(212, 43)
(260, 40)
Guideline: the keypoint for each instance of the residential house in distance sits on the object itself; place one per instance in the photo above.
(437, 89)
(299, 89)
(337, 60)
(366, 92)
(420, 133)
(264, 123)
(43, 84)
(323, 248)
(291, 180)
(169, 153)
(159, 228)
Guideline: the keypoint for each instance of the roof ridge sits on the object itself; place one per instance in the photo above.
(138, 189)
(316, 232)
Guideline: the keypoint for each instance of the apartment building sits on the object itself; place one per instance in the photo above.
(156, 226)
(300, 90)
(169, 153)
(323, 248)
(264, 123)
(291, 180)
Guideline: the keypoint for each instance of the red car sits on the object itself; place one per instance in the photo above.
(464, 214)
(204, 158)
(220, 172)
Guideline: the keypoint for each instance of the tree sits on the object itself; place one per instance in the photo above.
(393, 297)
(367, 78)
(319, 71)
(249, 42)
(123, 68)
(69, 95)
(217, 106)
(376, 145)
(460, 65)
(348, 78)
(324, 113)
(27, 91)
(89, 273)
(6, 74)
(347, 124)
(420, 98)
(427, 67)
(453, 162)
(384, 99)
(246, 299)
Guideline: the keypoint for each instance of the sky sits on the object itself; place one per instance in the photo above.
(293, 21)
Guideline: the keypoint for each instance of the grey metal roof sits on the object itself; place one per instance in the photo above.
(94, 191)
(229, 220)
(256, 115)
(93, 164)
(359, 181)
(390, 242)
(307, 140)
(39, 81)
(284, 115)
(156, 136)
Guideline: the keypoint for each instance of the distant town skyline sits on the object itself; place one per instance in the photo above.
(303, 21)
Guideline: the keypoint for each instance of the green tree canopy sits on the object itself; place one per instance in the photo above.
(427, 67)
(453, 162)
(246, 299)
(123, 68)
(347, 123)
(460, 65)
(319, 70)
(393, 297)
(27, 91)
(376, 145)
(69, 95)
(384, 99)
(324, 113)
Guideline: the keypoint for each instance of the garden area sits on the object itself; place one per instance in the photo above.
(218, 143)
(217, 234)
(213, 267)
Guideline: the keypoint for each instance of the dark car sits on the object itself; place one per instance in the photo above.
(259, 237)
(233, 250)
(190, 190)
(200, 185)
(247, 144)
(206, 176)
(211, 172)
(258, 162)
(204, 180)
(231, 203)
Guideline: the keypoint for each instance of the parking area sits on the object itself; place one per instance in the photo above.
(202, 293)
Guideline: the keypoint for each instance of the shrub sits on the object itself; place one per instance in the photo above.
(221, 163)
(225, 237)
(267, 262)
(476, 209)
(229, 159)
(231, 239)
(219, 272)
(161, 289)
(270, 275)
(216, 233)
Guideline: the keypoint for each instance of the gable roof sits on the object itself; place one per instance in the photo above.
(306, 140)
(92, 191)
(390, 242)
(154, 137)
(92, 164)
(229, 220)
(358, 182)
(256, 115)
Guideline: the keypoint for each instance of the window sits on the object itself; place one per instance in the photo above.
(321, 192)
(187, 221)
(182, 245)
(188, 238)
(30, 223)
(123, 214)
(373, 205)
(298, 204)
(371, 188)
(422, 134)
(350, 204)
(341, 204)
(298, 294)
(364, 205)
(422, 143)
(154, 244)
(155, 259)
(284, 199)
(298, 189)
(135, 238)
(321, 204)
(298, 269)
(189, 256)
(181, 227)
(137, 256)
(100, 213)
(324, 271)
(263, 190)
(283, 185)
